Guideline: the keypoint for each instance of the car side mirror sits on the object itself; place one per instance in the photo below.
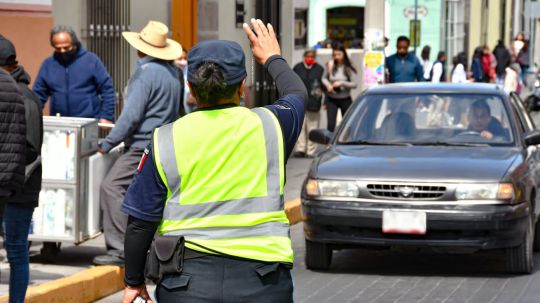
(321, 136)
(533, 138)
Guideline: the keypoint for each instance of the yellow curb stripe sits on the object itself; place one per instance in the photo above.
(86, 286)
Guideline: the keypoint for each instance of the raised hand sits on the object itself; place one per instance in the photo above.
(262, 40)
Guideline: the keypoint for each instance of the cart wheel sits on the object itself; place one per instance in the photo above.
(50, 251)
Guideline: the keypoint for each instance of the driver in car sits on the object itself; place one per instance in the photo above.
(481, 121)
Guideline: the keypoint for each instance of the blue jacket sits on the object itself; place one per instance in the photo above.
(406, 69)
(154, 98)
(82, 88)
(476, 68)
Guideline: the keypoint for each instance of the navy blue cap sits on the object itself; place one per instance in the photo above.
(229, 55)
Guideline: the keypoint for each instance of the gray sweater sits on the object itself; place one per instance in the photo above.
(153, 99)
(344, 91)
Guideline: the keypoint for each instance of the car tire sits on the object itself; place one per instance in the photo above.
(318, 255)
(519, 259)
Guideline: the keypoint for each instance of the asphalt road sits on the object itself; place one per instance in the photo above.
(401, 276)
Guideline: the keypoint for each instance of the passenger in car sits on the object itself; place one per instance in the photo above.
(481, 121)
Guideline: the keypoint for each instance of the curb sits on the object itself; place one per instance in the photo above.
(95, 283)
(88, 285)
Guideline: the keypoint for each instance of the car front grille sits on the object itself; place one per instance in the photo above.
(406, 191)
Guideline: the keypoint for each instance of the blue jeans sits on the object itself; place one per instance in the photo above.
(16, 227)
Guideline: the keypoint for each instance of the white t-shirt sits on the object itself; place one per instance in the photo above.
(459, 75)
(437, 72)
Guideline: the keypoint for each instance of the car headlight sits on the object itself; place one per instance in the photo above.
(332, 188)
(537, 83)
(491, 191)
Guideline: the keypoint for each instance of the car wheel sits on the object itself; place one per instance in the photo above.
(536, 245)
(519, 259)
(318, 255)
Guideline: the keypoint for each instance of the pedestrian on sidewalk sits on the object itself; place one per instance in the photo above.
(502, 55)
(188, 102)
(524, 60)
(476, 65)
(516, 46)
(425, 61)
(404, 66)
(153, 99)
(215, 177)
(311, 74)
(438, 71)
(459, 70)
(339, 79)
(488, 65)
(512, 79)
(18, 209)
(75, 79)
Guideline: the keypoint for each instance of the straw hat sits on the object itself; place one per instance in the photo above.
(152, 40)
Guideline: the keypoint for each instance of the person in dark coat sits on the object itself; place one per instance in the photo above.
(12, 143)
(75, 80)
(476, 65)
(311, 74)
(18, 209)
(502, 54)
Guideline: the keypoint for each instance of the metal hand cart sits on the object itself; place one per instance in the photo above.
(68, 209)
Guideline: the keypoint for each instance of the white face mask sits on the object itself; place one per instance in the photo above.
(181, 62)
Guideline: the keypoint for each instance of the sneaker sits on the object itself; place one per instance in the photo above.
(108, 260)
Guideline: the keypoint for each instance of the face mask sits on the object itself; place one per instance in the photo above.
(182, 63)
(65, 57)
(309, 61)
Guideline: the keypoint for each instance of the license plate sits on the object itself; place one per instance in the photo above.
(404, 222)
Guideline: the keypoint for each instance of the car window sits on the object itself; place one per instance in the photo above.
(428, 119)
(523, 113)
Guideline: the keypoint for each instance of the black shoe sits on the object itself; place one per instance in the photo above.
(108, 260)
(299, 154)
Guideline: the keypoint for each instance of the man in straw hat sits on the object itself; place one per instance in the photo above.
(153, 99)
(212, 185)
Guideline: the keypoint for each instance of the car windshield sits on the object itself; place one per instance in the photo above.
(431, 119)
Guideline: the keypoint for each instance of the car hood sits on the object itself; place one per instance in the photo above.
(415, 163)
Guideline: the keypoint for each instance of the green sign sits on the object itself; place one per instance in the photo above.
(414, 32)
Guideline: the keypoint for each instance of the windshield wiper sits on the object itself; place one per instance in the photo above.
(445, 143)
(366, 142)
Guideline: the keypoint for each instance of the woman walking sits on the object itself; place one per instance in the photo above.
(339, 78)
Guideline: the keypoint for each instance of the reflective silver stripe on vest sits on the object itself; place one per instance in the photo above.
(270, 229)
(167, 158)
(175, 211)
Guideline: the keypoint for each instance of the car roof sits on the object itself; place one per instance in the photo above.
(428, 87)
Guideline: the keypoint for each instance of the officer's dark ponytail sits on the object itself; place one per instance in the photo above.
(211, 86)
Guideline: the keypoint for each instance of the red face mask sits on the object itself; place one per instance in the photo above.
(309, 61)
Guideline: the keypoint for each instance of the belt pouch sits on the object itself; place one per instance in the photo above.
(166, 257)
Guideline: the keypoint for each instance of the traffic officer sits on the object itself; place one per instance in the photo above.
(216, 177)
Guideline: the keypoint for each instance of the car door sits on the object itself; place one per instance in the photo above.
(526, 124)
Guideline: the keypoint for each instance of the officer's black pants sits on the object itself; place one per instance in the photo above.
(226, 280)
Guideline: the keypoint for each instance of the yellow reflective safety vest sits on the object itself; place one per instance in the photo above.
(224, 173)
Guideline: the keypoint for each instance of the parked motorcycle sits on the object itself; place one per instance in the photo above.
(532, 102)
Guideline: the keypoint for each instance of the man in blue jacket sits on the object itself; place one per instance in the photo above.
(404, 66)
(75, 80)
